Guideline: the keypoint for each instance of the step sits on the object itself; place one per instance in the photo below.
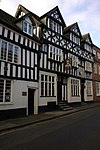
(64, 106)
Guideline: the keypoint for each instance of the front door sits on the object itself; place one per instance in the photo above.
(59, 91)
(30, 101)
(82, 90)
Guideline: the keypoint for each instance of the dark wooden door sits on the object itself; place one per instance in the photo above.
(82, 90)
(30, 101)
(59, 91)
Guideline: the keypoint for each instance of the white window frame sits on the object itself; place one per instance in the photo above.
(75, 88)
(6, 91)
(48, 83)
(97, 88)
(95, 68)
(11, 55)
(55, 53)
(89, 88)
(27, 27)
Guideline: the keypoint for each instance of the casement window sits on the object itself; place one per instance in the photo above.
(47, 85)
(55, 26)
(75, 88)
(99, 69)
(94, 52)
(9, 52)
(88, 66)
(98, 55)
(44, 48)
(89, 88)
(55, 53)
(88, 47)
(74, 38)
(95, 68)
(27, 27)
(74, 59)
(97, 88)
(5, 91)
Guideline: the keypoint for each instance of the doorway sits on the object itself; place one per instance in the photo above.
(82, 90)
(30, 101)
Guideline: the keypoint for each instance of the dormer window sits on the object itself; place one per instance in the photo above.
(27, 27)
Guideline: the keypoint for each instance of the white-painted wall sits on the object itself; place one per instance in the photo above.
(19, 101)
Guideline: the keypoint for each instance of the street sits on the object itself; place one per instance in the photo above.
(78, 131)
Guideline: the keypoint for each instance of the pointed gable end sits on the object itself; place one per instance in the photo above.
(73, 28)
(56, 15)
(86, 38)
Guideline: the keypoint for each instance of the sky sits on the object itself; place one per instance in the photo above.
(85, 12)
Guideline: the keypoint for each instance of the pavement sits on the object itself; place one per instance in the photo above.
(16, 123)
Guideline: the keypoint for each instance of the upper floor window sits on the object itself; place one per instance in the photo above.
(94, 52)
(74, 38)
(44, 47)
(88, 66)
(55, 53)
(55, 26)
(98, 55)
(99, 69)
(9, 52)
(95, 68)
(27, 27)
(88, 47)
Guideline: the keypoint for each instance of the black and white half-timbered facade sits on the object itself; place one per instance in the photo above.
(19, 65)
(42, 62)
(87, 46)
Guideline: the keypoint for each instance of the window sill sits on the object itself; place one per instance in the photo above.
(47, 96)
(6, 103)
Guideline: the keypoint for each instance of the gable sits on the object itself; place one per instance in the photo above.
(76, 29)
(88, 40)
(56, 15)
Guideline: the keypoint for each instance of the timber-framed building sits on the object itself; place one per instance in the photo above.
(42, 62)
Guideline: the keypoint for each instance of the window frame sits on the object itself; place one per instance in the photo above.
(75, 88)
(89, 88)
(47, 86)
(27, 27)
(5, 91)
(14, 56)
(97, 88)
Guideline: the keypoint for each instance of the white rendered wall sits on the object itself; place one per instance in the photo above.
(19, 101)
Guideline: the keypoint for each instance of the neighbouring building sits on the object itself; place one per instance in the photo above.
(96, 74)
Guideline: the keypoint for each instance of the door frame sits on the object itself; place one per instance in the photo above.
(31, 108)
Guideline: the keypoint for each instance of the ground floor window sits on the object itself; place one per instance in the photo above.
(47, 85)
(75, 88)
(89, 88)
(97, 88)
(5, 91)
